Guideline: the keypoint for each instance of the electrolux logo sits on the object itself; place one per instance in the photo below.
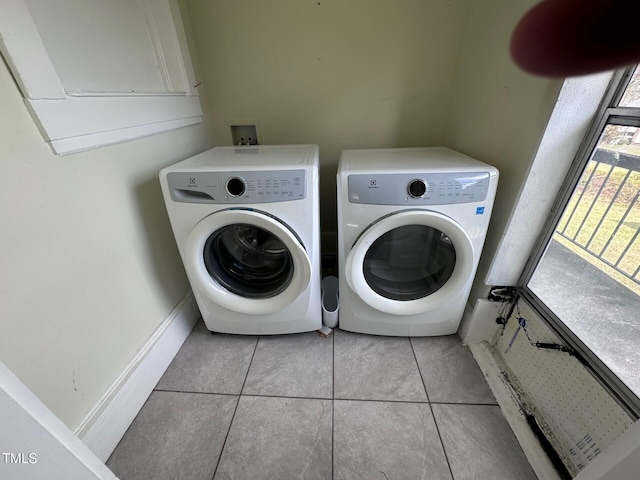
(19, 458)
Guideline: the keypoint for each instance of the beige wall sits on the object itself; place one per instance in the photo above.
(367, 74)
(498, 113)
(342, 74)
(89, 267)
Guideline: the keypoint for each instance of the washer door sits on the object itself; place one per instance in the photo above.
(409, 262)
(247, 261)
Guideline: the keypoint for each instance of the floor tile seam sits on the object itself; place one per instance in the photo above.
(292, 397)
(235, 410)
(296, 397)
(415, 358)
(333, 403)
(197, 392)
(253, 354)
(379, 400)
(224, 443)
(433, 415)
(477, 404)
(432, 402)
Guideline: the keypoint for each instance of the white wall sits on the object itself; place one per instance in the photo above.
(498, 113)
(48, 447)
(89, 264)
(342, 74)
(572, 115)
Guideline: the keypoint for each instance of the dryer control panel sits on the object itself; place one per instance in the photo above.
(238, 187)
(418, 189)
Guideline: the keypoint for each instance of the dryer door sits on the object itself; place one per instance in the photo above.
(247, 261)
(409, 262)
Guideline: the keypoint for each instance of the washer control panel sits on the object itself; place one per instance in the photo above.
(418, 189)
(238, 187)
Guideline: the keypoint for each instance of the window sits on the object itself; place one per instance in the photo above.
(584, 276)
(95, 73)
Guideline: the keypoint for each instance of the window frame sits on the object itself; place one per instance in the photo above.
(608, 113)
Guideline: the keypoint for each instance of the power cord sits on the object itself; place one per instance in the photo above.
(507, 296)
(522, 325)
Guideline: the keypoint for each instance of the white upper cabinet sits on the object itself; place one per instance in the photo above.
(97, 72)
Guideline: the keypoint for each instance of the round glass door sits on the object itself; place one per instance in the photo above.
(248, 261)
(409, 262)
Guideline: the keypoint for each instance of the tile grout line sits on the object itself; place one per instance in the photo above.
(467, 404)
(415, 358)
(333, 399)
(196, 392)
(375, 400)
(235, 410)
(262, 395)
(382, 400)
(435, 422)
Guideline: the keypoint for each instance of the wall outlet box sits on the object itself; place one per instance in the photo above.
(244, 134)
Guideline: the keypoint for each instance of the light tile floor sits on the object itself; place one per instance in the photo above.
(345, 407)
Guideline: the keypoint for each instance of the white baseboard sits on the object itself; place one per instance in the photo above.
(104, 426)
(492, 370)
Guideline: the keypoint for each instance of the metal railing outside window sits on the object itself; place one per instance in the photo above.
(583, 276)
(605, 205)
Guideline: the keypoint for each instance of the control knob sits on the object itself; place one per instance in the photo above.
(417, 188)
(235, 187)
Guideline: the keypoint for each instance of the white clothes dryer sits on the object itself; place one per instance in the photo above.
(411, 227)
(246, 222)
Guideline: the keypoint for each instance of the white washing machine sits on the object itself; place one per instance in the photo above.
(411, 226)
(246, 221)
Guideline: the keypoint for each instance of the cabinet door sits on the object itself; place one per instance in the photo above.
(95, 73)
